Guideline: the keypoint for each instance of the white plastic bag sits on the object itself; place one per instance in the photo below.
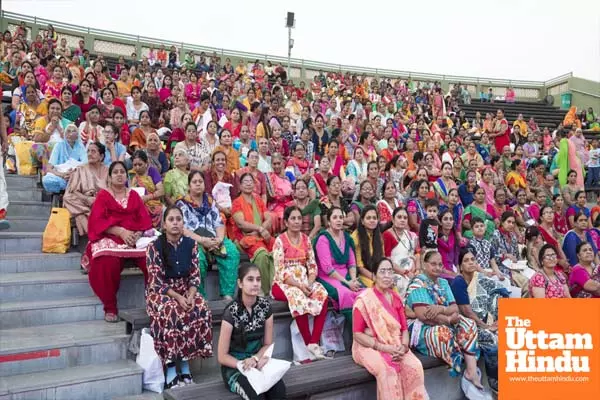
(332, 337)
(154, 377)
(301, 352)
(220, 193)
(263, 380)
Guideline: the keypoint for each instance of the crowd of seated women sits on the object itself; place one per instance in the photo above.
(362, 194)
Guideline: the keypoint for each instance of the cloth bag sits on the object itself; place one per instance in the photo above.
(23, 158)
(263, 380)
(301, 352)
(153, 378)
(57, 235)
(332, 337)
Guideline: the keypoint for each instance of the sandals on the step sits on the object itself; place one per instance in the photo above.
(174, 383)
(110, 317)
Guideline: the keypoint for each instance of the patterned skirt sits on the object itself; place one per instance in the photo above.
(180, 334)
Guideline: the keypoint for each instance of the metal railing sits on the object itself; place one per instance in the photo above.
(296, 62)
(558, 80)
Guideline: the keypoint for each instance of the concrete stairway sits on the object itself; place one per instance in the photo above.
(544, 115)
(54, 343)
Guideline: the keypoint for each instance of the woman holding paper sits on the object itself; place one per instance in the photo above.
(246, 335)
(118, 219)
(180, 320)
(204, 224)
(68, 149)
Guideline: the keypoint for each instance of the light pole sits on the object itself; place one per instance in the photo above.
(290, 23)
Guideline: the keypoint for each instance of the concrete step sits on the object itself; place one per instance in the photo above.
(20, 242)
(51, 347)
(34, 194)
(46, 312)
(17, 182)
(21, 208)
(146, 395)
(94, 382)
(38, 262)
(61, 285)
(27, 224)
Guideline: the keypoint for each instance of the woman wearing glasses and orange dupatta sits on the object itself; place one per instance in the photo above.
(381, 339)
(251, 230)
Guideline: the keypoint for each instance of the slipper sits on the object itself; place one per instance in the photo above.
(111, 318)
(316, 351)
(4, 224)
(472, 392)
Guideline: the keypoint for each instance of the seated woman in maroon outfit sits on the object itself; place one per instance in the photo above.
(117, 220)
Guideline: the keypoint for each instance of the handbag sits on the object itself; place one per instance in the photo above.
(263, 380)
(57, 235)
(220, 252)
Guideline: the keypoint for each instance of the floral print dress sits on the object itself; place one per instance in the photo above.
(298, 262)
(554, 288)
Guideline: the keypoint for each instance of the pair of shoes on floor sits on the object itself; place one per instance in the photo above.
(179, 381)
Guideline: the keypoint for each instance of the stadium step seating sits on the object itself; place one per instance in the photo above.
(55, 344)
(544, 115)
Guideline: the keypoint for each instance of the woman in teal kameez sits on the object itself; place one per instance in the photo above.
(436, 327)
(202, 222)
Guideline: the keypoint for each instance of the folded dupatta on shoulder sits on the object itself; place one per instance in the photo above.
(107, 212)
(339, 257)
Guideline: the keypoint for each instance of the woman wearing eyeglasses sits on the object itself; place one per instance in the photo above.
(438, 328)
(381, 339)
(548, 283)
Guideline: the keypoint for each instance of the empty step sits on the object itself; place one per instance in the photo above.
(50, 347)
(35, 194)
(38, 262)
(61, 285)
(19, 242)
(22, 208)
(47, 312)
(146, 395)
(27, 224)
(18, 182)
(94, 382)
